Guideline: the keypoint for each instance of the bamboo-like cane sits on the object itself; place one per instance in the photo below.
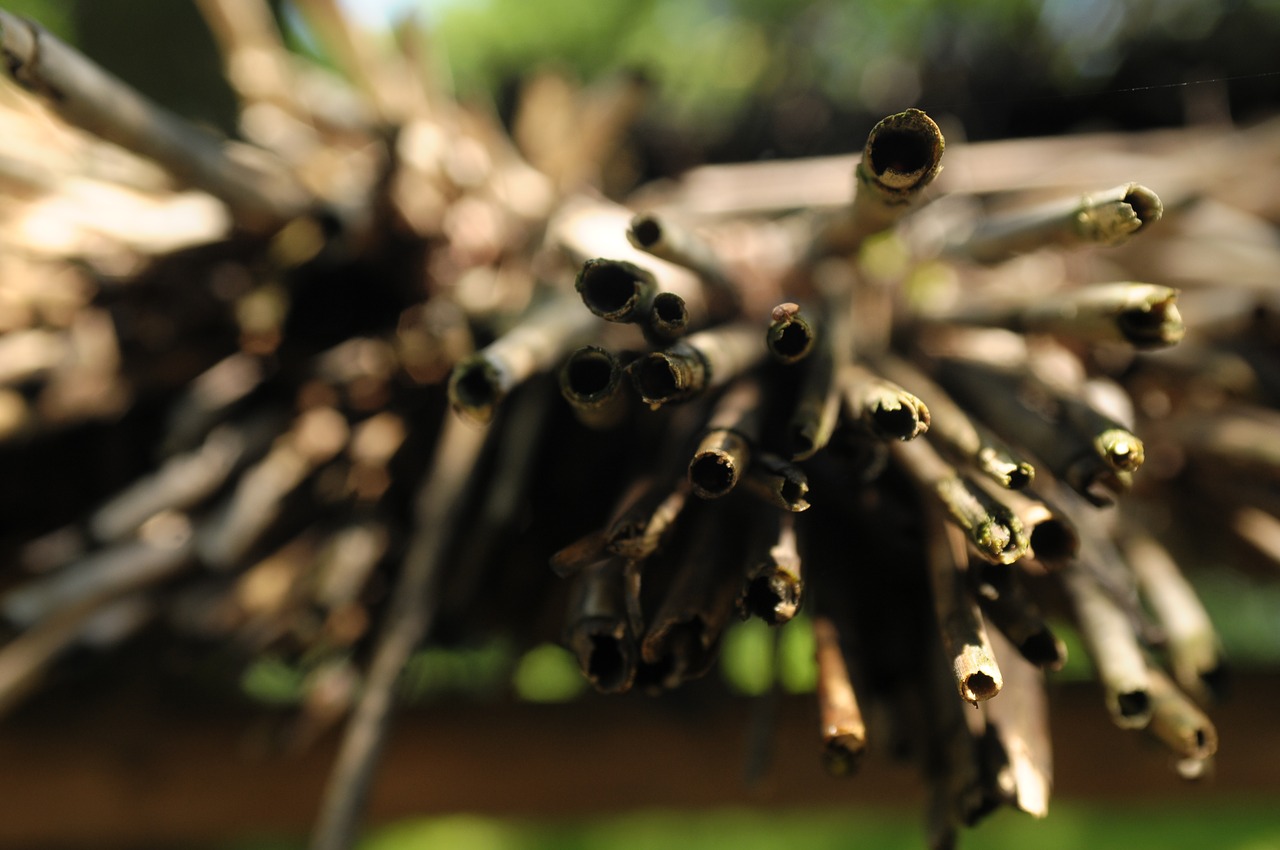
(882, 407)
(1194, 650)
(664, 238)
(438, 504)
(1021, 721)
(1108, 638)
(964, 635)
(775, 582)
(591, 382)
(546, 333)
(844, 734)
(1107, 218)
(600, 628)
(697, 363)
(1144, 315)
(262, 196)
(724, 452)
(990, 526)
(955, 433)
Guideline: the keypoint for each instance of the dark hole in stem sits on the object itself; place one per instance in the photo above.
(1043, 650)
(608, 288)
(647, 231)
(1053, 541)
(792, 492)
(801, 440)
(1216, 680)
(901, 151)
(590, 374)
(1021, 476)
(900, 422)
(606, 664)
(1133, 703)
(670, 310)
(764, 596)
(1145, 205)
(1201, 739)
(792, 342)
(981, 686)
(655, 379)
(712, 475)
(474, 386)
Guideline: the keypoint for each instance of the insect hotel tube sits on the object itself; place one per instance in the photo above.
(1020, 721)
(683, 636)
(1108, 637)
(591, 382)
(697, 363)
(791, 333)
(1191, 641)
(775, 582)
(546, 333)
(601, 629)
(1007, 605)
(993, 529)
(1106, 218)
(964, 635)
(844, 734)
(724, 452)
(1178, 723)
(819, 400)
(902, 156)
(262, 196)
(1143, 315)
(1088, 451)
(883, 408)
(956, 434)
(662, 237)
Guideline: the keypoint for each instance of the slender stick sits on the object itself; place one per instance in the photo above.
(1108, 638)
(438, 503)
(990, 526)
(1178, 723)
(1192, 643)
(616, 290)
(684, 636)
(600, 629)
(1144, 315)
(1007, 605)
(1053, 538)
(546, 333)
(1108, 218)
(662, 237)
(964, 636)
(902, 156)
(955, 433)
(778, 482)
(315, 438)
(1021, 721)
(591, 381)
(261, 196)
(1088, 451)
(818, 404)
(724, 452)
(791, 333)
(844, 734)
(883, 408)
(775, 583)
(105, 574)
(697, 363)
(182, 482)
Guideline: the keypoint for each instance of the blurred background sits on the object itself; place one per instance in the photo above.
(742, 80)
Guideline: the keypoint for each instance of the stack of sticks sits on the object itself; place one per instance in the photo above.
(350, 385)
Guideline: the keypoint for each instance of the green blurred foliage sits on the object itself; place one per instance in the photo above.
(1238, 825)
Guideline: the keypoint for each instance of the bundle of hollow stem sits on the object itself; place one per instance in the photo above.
(362, 377)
